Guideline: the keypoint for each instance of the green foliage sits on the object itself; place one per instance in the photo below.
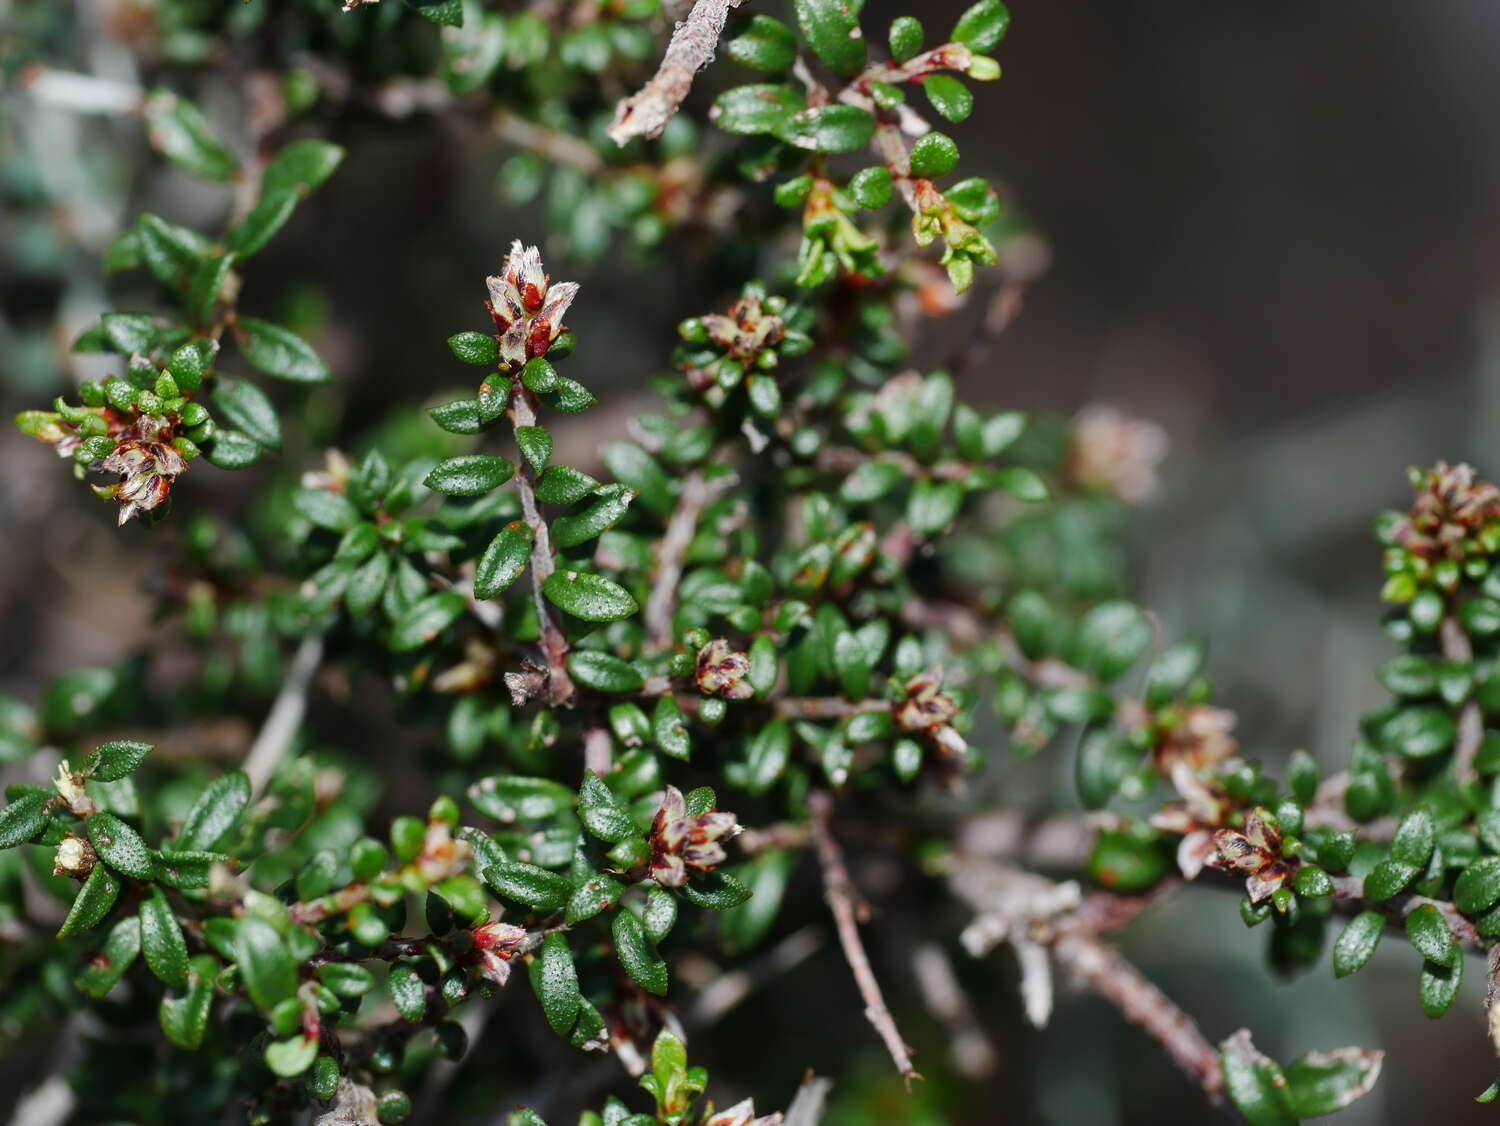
(810, 578)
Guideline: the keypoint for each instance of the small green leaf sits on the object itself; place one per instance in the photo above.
(640, 959)
(184, 1019)
(764, 44)
(161, 939)
(1438, 986)
(301, 166)
(948, 96)
(408, 993)
(503, 561)
(630, 465)
(1478, 886)
(94, 899)
(829, 129)
(266, 965)
(536, 445)
(1357, 942)
(215, 813)
(448, 13)
(1387, 878)
(574, 528)
(246, 408)
(475, 348)
(562, 484)
(601, 812)
(1428, 932)
(291, 1056)
(178, 130)
(104, 970)
(933, 155)
(1324, 1082)
(604, 672)
(591, 597)
(1022, 483)
(259, 227)
(769, 751)
(872, 189)
(716, 891)
(1254, 1083)
(529, 885)
(233, 450)
(1418, 732)
(831, 28)
(1414, 838)
(326, 509)
(906, 37)
(510, 797)
(119, 845)
(25, 817)
(1110, 639)
(983, 26)
(757, 108)
(346, 979)
(592, 896)
(458, 417)
(425, 619)
(278, 351)
(555, 980)
(933, 505)
(871, 481)
(469, 475)
(669, 729)
(660, 914)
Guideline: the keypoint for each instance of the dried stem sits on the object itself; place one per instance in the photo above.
(554, 644)
(696, 495)
(285, 716)
(841, 896)
(1109, 974)
(646, 112)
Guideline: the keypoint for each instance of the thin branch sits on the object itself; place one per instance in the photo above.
(806, 1108)
(552, 145)
(972, 1053)
(285, 716)
(1109, 974)
(696, 495)
(80, 93)
(554, 644)
(646, 112)
(841, 897)
(826, 707)
(1349, 891)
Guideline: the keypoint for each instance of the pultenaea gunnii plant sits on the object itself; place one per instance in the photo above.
(807, 589)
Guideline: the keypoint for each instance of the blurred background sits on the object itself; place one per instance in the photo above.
(1275, 229)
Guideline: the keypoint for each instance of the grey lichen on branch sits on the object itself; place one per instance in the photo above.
(646, 112)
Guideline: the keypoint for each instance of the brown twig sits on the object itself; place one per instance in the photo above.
(554, 644)
(1109, 974)
(697, 494)
(841, 897)
(1349, 892)
(285, 716)
(646, 112)
(826, 707)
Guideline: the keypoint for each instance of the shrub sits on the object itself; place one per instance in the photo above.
(811, 587)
